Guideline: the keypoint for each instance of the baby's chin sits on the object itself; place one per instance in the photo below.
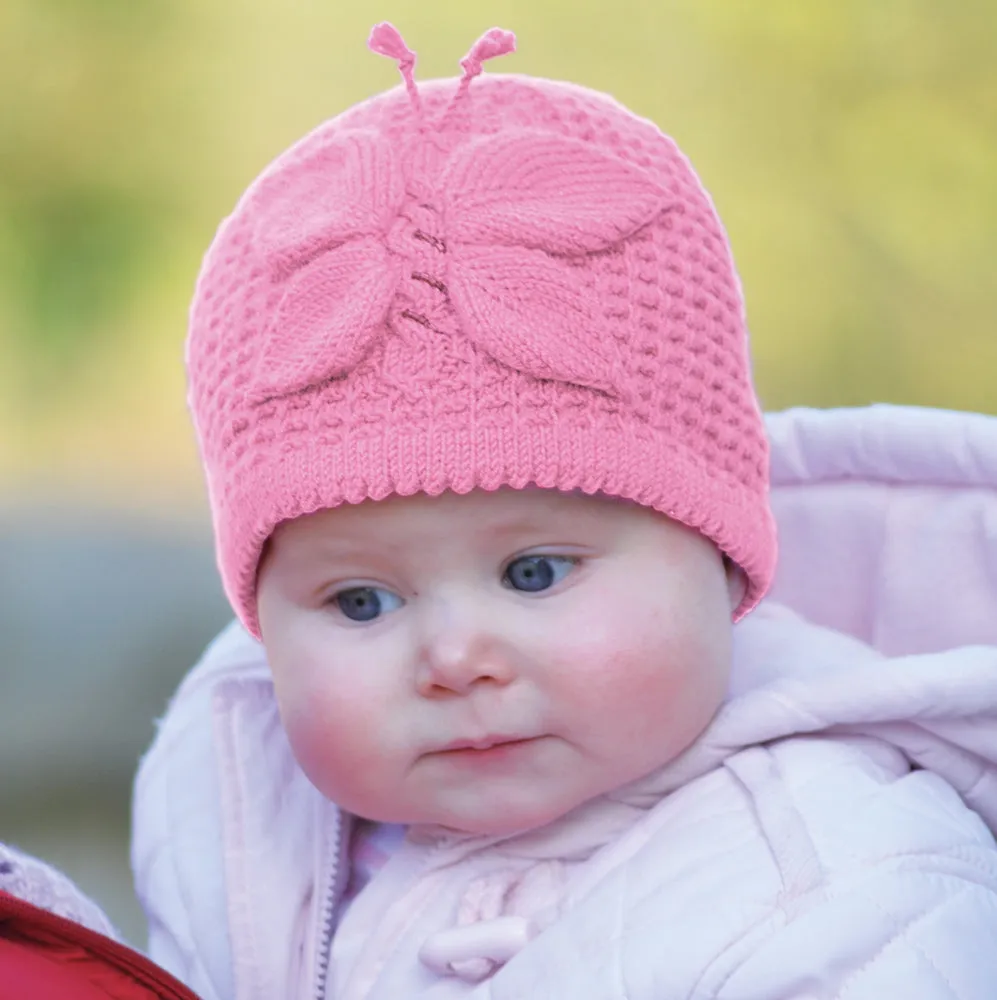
(491, 819)
(504, 819)
(504, 825)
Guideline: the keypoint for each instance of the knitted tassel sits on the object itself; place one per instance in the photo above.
(386, 40)
(494, 42)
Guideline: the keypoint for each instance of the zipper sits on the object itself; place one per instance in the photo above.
(34, 924)
(440, 851)
(332, 886)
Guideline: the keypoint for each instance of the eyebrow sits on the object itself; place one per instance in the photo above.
(345, 546)
(519, 526)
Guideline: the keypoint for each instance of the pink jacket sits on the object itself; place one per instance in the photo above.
(830, 835)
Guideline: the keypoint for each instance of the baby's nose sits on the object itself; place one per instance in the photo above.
(457, 659)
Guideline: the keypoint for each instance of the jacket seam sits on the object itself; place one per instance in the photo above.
(780, 911)
(903, 927)
(764, 819)
(777, 919)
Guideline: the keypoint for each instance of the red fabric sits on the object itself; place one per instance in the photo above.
(43, 955)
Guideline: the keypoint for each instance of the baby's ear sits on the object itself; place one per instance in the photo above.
(737, 582)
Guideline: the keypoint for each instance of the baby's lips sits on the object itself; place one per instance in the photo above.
(484, 742)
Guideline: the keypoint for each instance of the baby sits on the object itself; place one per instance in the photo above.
(490, 486)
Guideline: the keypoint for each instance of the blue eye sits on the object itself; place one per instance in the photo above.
(536, 573)
(364, 604)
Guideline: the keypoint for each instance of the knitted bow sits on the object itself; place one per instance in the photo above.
(517, 211)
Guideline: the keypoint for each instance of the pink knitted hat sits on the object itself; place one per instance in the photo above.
(468, 284)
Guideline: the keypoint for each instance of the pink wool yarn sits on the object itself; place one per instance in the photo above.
(460, 284)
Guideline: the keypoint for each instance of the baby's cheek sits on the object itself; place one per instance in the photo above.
(650, 688)
(330, 741)
(636, 681)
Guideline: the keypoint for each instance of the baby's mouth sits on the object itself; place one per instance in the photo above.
(496, 754)
(483, 743)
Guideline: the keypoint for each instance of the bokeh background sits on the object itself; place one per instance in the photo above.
(850, 146)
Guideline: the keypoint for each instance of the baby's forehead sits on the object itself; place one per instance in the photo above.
(478, 511)
(450, 528)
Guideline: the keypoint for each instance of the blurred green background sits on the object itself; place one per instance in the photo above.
(850, 147)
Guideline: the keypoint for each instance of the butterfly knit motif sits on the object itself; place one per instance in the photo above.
(514, 213)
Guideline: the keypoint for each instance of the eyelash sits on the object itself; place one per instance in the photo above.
(573, 561)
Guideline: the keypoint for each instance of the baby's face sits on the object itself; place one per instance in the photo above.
(570, 644)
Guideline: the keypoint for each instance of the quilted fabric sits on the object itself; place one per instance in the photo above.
(830, 835)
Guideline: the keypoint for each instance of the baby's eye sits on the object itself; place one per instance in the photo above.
(364, 604)
(533, 573)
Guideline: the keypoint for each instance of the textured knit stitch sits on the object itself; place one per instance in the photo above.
(460, 284)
